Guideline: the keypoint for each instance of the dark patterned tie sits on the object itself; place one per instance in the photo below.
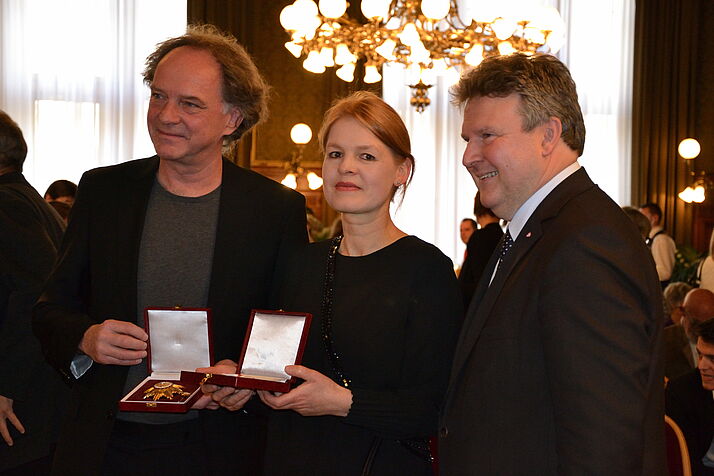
(506, 246)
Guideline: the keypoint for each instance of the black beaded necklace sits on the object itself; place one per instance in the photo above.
(419, 446)
(327, 311)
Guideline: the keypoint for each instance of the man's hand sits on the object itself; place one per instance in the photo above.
(115, 342)
(6, 414)
(227, 397)
(318, 395)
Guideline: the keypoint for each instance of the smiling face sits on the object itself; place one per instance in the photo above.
(507, 164)
(359, 170)
(187, 118)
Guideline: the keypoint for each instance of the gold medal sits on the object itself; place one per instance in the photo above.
(165, 390)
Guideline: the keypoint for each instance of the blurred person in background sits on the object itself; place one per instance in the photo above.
(674, 295)
(479, 249)
(61, 191)
(32, 395)
(640, 220)
(705, 272)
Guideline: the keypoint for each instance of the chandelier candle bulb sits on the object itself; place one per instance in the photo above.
(301, 133)
(313, 63)
(506, 48)
(409, 35)
(375, 9)
(698, 195)
(343, 55)
(386, 49)
(290, 181)
(689, 148)
(313, 181)
(504, 28)
(435, 9)
(332, 8)
(346, 73)
(371, 75)
(288, 17)
(326, 56)
(475, 55)
(306, 8)
(294, 48)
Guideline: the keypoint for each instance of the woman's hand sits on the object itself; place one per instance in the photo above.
(317, 395)
(215, 396)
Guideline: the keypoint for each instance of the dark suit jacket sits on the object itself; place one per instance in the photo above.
(260, 222)
(478, 251)
(692, 408)
(557, 370)
(30, 234)
(678, 358)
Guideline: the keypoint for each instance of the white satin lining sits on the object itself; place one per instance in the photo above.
(179, 340)
(274, 342)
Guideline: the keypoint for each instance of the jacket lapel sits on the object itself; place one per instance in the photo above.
(234, 214)
(487, 295)
(132, 211)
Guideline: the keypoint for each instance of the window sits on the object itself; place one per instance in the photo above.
(70, 76)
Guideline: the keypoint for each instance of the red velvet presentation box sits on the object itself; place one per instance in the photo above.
(273, 340)
(179, 339)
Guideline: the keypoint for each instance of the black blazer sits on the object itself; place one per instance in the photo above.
(30, 234)
(260, 223)
(479, 249)
(678, 358)
(557, 370)
(692, 408)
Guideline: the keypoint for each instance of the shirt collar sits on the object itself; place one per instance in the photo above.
(525, 211)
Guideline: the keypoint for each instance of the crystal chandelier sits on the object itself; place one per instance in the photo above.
(429, 37)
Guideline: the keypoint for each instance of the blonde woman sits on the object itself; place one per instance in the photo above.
(386, 307)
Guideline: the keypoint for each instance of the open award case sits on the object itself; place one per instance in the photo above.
(273, 340)
(179, 339)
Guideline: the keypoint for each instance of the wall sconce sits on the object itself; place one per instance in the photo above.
(295, 177)
(689, 150)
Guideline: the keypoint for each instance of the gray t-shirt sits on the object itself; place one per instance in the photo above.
(174, 269)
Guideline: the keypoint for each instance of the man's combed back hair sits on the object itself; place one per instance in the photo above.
(243, 86)
(653, 208)
(543, 83)
(705, 330)
(13, 148)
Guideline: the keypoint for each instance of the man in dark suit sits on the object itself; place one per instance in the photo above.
(187, 228)
(30, 234)
(479, 249)
(680, 353)
(689, 402)
(557, 369)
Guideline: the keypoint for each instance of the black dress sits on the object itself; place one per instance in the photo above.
(394, 328)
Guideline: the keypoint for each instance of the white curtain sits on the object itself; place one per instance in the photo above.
(598, 50)
(71, 78)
